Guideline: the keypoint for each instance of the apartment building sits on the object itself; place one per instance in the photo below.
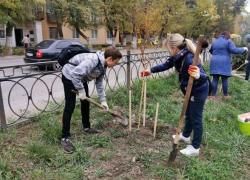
(45, 27)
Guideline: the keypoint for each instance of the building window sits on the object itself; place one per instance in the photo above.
(53, 33)
(32, 38)
(109, 35)
(94, 17)
(75, 34)
(94, 34)
(2, 34)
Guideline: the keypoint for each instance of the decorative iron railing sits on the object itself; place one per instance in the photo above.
(30, 89)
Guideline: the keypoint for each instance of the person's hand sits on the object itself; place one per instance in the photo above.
(194, 71)
(104, 104)
(82, 95)
(246, 61)
(146, 72)
(245, 48)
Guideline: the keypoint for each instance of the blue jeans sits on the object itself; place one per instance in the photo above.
(247, 71)
(193, 121)
(224, 84)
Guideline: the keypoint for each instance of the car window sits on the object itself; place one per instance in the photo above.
(44, 44)
(65, 44)
(59, 46)
(76, 43)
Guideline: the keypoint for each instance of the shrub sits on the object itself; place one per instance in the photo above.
(18, 52)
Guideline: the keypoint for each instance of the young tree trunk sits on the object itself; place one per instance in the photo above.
(9, 42)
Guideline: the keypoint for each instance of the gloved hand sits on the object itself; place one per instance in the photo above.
(194, 71)
(246, 61)
(146, 72)
(104, 104)
(82, 95)
(245, 48)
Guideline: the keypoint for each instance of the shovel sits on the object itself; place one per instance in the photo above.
(174, 151)
(119, 116)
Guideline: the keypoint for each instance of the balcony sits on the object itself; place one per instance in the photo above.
(39, 16)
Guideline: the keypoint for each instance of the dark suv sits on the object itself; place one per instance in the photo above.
(47, 50)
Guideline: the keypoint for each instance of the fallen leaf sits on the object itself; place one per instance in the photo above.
(214, 119)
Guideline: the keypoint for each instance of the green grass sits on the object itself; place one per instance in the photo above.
(32, 150)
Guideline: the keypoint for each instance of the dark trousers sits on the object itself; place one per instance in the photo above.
(224, 84)
(70, 101)
(193, 121)
(247, 71)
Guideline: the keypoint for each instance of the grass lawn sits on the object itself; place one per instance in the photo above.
(32, 150)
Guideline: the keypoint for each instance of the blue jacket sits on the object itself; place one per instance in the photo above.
(221, 51)
(181, 62)
(248, 53)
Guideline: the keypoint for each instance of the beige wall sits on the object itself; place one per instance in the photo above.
(68, 34)
(101, 36)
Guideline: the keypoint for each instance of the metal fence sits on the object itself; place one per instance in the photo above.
(31, 89)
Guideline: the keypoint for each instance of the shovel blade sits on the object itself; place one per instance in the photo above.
(172, 155)
(122, 118)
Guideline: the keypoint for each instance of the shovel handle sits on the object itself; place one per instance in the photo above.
(98, 105)
(90, 100)
(188, 91)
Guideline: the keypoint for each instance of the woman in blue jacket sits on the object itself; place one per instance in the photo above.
(182, 55)
(220, 64)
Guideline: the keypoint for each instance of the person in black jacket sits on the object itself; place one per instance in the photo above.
(182, 54)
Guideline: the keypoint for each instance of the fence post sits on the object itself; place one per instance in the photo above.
(2, 112)
(128, 69)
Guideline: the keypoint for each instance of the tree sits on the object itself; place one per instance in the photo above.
(82, 15)
(207, 19)
(113, 15)
(228, 10)
(59, 8)
(17, 13)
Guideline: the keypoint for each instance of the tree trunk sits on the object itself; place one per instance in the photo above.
(59, 26)
(83, 35)
(9, 42)
(134, 42)
(161, 32)
(114, 37)
(134, 36)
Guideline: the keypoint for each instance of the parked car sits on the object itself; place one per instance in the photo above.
(47, 50)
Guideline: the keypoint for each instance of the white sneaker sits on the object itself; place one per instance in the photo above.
(190, 151)
(182, 138)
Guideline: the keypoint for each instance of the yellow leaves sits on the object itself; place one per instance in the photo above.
(40, 1)
(231, 8)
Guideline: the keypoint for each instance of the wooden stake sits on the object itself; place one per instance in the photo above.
(156, 118)
(143, 82)
(130, 124)
(144, 108)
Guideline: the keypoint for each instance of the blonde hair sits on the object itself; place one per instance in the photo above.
(180, 42)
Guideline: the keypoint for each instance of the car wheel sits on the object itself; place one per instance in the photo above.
(57, 67)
